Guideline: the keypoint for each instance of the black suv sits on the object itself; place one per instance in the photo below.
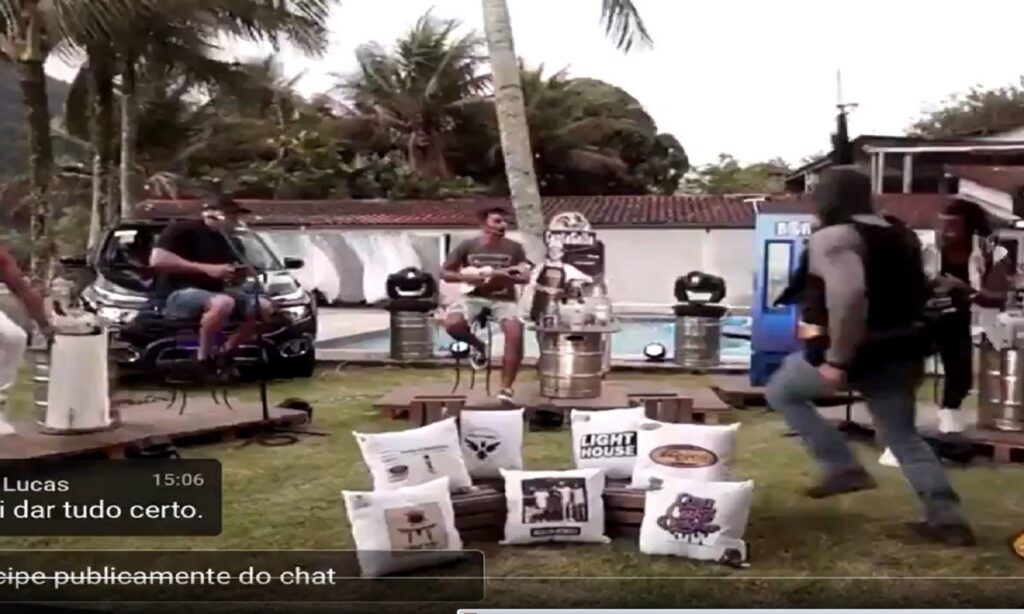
(121, 294)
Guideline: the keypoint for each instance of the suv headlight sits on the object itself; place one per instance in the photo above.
(118, 316)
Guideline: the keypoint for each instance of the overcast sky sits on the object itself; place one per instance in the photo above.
(752, 78)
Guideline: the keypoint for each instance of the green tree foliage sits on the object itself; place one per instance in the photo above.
(977, 112)
(728, 176)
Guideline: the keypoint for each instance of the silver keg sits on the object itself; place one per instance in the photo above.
(571, 364)
(412, 335)
(39, 354)
(1000, 387)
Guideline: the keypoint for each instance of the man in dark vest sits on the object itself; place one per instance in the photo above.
(865, 292)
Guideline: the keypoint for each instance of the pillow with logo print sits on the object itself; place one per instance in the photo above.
(492, 440)
(403, 529)
(415, 456)
(606, 439)
(554, 506)
(687, 451)
(698, 520)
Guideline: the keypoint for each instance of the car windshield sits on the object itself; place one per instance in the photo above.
(130, 247)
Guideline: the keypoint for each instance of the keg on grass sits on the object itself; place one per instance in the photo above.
(571, 364)
(698, 338)
(1001, 389)
(412, 299)
(71, 379)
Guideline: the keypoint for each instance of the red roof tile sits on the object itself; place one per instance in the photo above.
(682, 211)
(1009, 179)
(916, 210)
(602, 211)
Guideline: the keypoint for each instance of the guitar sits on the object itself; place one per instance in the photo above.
(488, 273)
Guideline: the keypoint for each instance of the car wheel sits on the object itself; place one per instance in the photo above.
(304, 366)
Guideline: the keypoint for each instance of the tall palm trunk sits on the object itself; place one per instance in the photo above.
(515, 133)
(34, 98)
(101, 128)
(129, 129)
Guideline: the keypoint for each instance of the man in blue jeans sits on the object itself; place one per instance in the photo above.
(865, 291)
(196, 265)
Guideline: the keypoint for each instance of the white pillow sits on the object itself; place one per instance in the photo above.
(491, 441)
(403, 529)
(554, 506)
(415, 456)
(698, 520)
(683, 451)
(606, 439)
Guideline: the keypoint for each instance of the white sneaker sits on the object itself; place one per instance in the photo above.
(888, 459)
(951, 421)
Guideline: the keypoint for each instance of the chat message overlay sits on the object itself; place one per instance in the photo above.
(129, 497)
(322, 576)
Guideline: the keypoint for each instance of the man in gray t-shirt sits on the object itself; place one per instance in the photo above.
(489, 268)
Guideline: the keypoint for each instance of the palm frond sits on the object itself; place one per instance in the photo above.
(623, 24)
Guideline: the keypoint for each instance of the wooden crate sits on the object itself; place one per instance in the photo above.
(480, 514)
(623, 509)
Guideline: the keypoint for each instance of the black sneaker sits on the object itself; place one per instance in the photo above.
(955, 535)
(841, 483)
(478, 359)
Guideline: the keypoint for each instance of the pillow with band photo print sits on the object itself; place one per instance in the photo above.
(403, 529)
(683, 451)
(492, 440)
(554, 506)
(697, 520)
(415, 456)
(606, 440)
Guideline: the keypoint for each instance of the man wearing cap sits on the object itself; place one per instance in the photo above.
(195, 263)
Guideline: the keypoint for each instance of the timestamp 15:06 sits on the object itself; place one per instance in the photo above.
(178, 479)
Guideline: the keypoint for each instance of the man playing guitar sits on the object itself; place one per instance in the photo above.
(489, 267)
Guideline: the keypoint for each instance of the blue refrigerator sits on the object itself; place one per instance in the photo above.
(780, 242)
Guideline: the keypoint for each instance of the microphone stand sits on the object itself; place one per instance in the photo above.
(258, 288)
(278, 435)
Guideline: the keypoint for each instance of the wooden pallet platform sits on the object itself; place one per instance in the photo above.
(203, 420)
(480, 515)
(738, 392)
(424, 404)
(1000, 446)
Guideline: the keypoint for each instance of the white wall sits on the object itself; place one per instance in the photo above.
(641, 269)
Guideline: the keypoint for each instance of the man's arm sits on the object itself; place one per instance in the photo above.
(835, 258)
(520, 263)
(164, 261)
(163, 258)
(12, 275)
(454, 263)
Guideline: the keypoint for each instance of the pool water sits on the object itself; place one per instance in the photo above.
(627, 344)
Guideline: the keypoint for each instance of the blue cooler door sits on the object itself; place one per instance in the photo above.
(780, 242)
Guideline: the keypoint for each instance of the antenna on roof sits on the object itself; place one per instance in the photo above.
(842, 149)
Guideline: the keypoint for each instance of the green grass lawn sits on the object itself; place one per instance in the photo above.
(843, 552)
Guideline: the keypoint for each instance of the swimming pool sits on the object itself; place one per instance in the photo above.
(627, 344)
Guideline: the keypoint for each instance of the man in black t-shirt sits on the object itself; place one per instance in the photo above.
(195, 266)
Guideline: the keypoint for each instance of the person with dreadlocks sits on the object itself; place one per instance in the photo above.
(865, 282)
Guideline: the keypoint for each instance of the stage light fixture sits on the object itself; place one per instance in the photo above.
(655, 352)
(459, 349)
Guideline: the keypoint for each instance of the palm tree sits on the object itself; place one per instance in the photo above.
(622, 23)
(29, 31)
(182, 31)
(413, 92)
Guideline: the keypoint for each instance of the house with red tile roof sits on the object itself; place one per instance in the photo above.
(649, 240)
